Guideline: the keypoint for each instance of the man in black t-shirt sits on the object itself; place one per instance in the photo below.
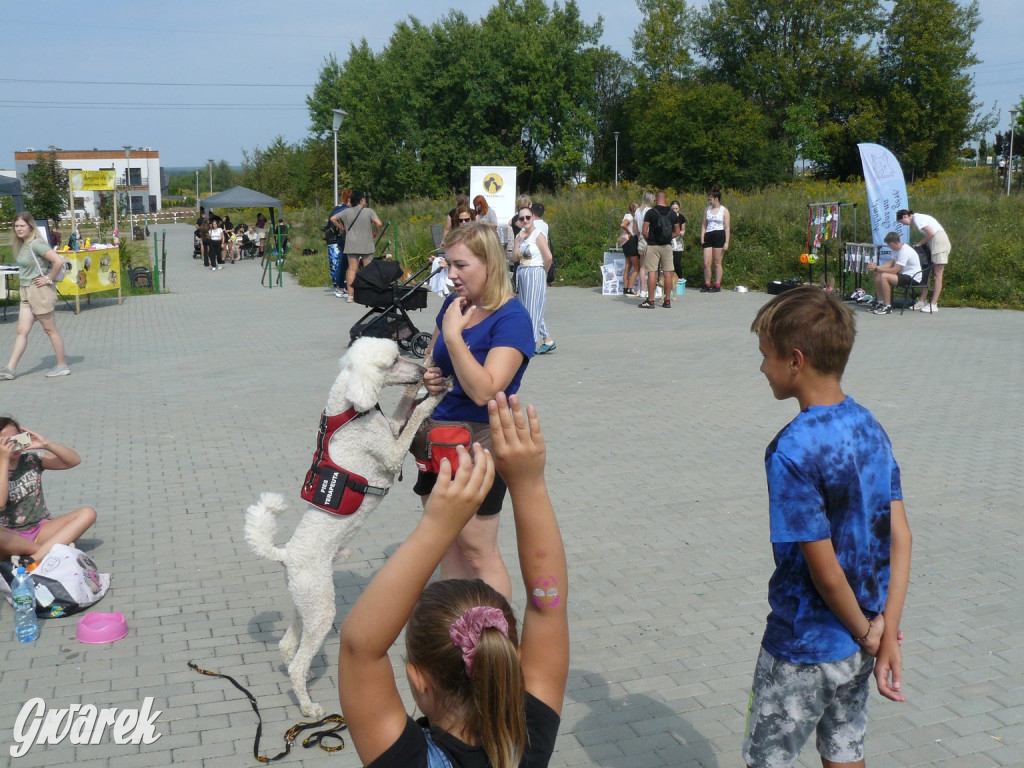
(660, 225)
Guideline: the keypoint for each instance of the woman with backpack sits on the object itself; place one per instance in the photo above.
(38, 269)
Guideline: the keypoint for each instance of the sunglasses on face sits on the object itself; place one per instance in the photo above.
(464, 220)
(526, 218)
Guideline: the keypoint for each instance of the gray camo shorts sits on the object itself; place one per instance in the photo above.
(789, 702)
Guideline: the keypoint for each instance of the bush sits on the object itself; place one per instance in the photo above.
(769, 232)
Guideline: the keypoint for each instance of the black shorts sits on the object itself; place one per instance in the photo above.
(714, 239)
(481, 433)
(629, 248)
(492, 501)
(903, 280)
(677, 263)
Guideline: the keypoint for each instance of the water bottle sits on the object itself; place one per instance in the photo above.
(26, 625)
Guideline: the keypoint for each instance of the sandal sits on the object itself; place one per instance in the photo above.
(646, 305)
(667, 304)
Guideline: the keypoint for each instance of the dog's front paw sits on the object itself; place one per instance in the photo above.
(314, 711)
(343, 554)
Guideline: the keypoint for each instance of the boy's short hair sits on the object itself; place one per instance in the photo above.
(808, 319)
(538, 210)
(892, 237)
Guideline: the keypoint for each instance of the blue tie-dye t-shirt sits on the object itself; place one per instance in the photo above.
(831, 475)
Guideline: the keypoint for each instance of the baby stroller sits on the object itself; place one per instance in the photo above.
(376, 286)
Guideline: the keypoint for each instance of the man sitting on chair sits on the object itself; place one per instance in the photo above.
(904, 268)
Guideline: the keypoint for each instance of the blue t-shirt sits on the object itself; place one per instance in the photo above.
(831, 475)
(509, 326)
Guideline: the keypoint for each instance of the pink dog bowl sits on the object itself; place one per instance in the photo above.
(96, 628)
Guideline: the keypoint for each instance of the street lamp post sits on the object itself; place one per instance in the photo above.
(209, 162)
(339, 115)
(616, 158)
(128, 186)
(1009, 165)
(197, 190)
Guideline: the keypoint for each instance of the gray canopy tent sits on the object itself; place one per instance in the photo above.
(242, 197)
(12, 188)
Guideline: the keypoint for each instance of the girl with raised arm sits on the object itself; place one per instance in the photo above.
(491, 698)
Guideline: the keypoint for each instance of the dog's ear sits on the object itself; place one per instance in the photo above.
(367, 361)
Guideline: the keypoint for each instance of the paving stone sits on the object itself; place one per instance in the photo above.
(185, 406)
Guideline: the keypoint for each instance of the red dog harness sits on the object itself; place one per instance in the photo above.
(327, 485)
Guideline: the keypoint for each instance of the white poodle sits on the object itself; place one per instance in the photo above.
(371, 445)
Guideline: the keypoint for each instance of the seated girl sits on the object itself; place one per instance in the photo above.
(26, 525)
(490, 699)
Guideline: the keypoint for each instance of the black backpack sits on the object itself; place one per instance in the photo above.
(331, 232)
(660, 230)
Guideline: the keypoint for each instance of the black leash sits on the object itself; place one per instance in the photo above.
(314, 739)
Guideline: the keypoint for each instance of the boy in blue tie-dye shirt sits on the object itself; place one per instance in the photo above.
(841, 544)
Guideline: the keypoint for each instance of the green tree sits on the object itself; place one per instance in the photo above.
(514, 88)
(663, 40)
(925, 58)
(614, 76)
(223, 176)
(695, 136)
(46, 186)
(274, 170)
(804, 62)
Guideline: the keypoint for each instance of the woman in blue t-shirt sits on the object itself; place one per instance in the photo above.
(483, 339)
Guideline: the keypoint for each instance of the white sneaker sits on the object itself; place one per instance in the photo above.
(919, 305)
(930, 308)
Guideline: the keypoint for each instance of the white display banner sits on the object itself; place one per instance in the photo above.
(497, 183)
(887, 193)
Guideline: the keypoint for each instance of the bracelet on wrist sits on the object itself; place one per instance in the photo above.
(864, 639)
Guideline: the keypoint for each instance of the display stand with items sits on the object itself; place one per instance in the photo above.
(91, 270)
(611, 273)
(858, 256)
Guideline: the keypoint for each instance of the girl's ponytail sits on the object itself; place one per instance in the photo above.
(499, 699)
(463, 635)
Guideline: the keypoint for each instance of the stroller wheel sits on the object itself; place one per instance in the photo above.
(405, 344)
(420, 344)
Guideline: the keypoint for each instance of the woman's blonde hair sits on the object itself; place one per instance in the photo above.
(524, 201)
(648, 199)
(483, 241)
(492, 702)
(33, 233)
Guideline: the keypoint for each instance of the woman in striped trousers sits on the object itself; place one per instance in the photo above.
(534, 256)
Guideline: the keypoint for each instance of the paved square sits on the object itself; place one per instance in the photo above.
(185, 406)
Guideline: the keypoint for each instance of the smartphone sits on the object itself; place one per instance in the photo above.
(21, 441)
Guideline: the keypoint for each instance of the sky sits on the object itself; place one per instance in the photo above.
(207, 80)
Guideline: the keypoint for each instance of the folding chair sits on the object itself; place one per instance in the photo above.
(920, 279)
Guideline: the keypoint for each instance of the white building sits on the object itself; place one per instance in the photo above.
(141, 172)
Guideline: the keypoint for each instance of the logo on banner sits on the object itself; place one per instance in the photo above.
(493, 183)
(882, 165)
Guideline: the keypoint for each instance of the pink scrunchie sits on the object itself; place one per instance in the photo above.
(465, 633)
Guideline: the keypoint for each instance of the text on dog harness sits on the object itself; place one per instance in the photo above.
(327, 485)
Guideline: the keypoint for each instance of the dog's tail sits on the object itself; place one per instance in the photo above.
(261, 524)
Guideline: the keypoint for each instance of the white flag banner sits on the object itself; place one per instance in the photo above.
(887, 192)
(498, 186)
